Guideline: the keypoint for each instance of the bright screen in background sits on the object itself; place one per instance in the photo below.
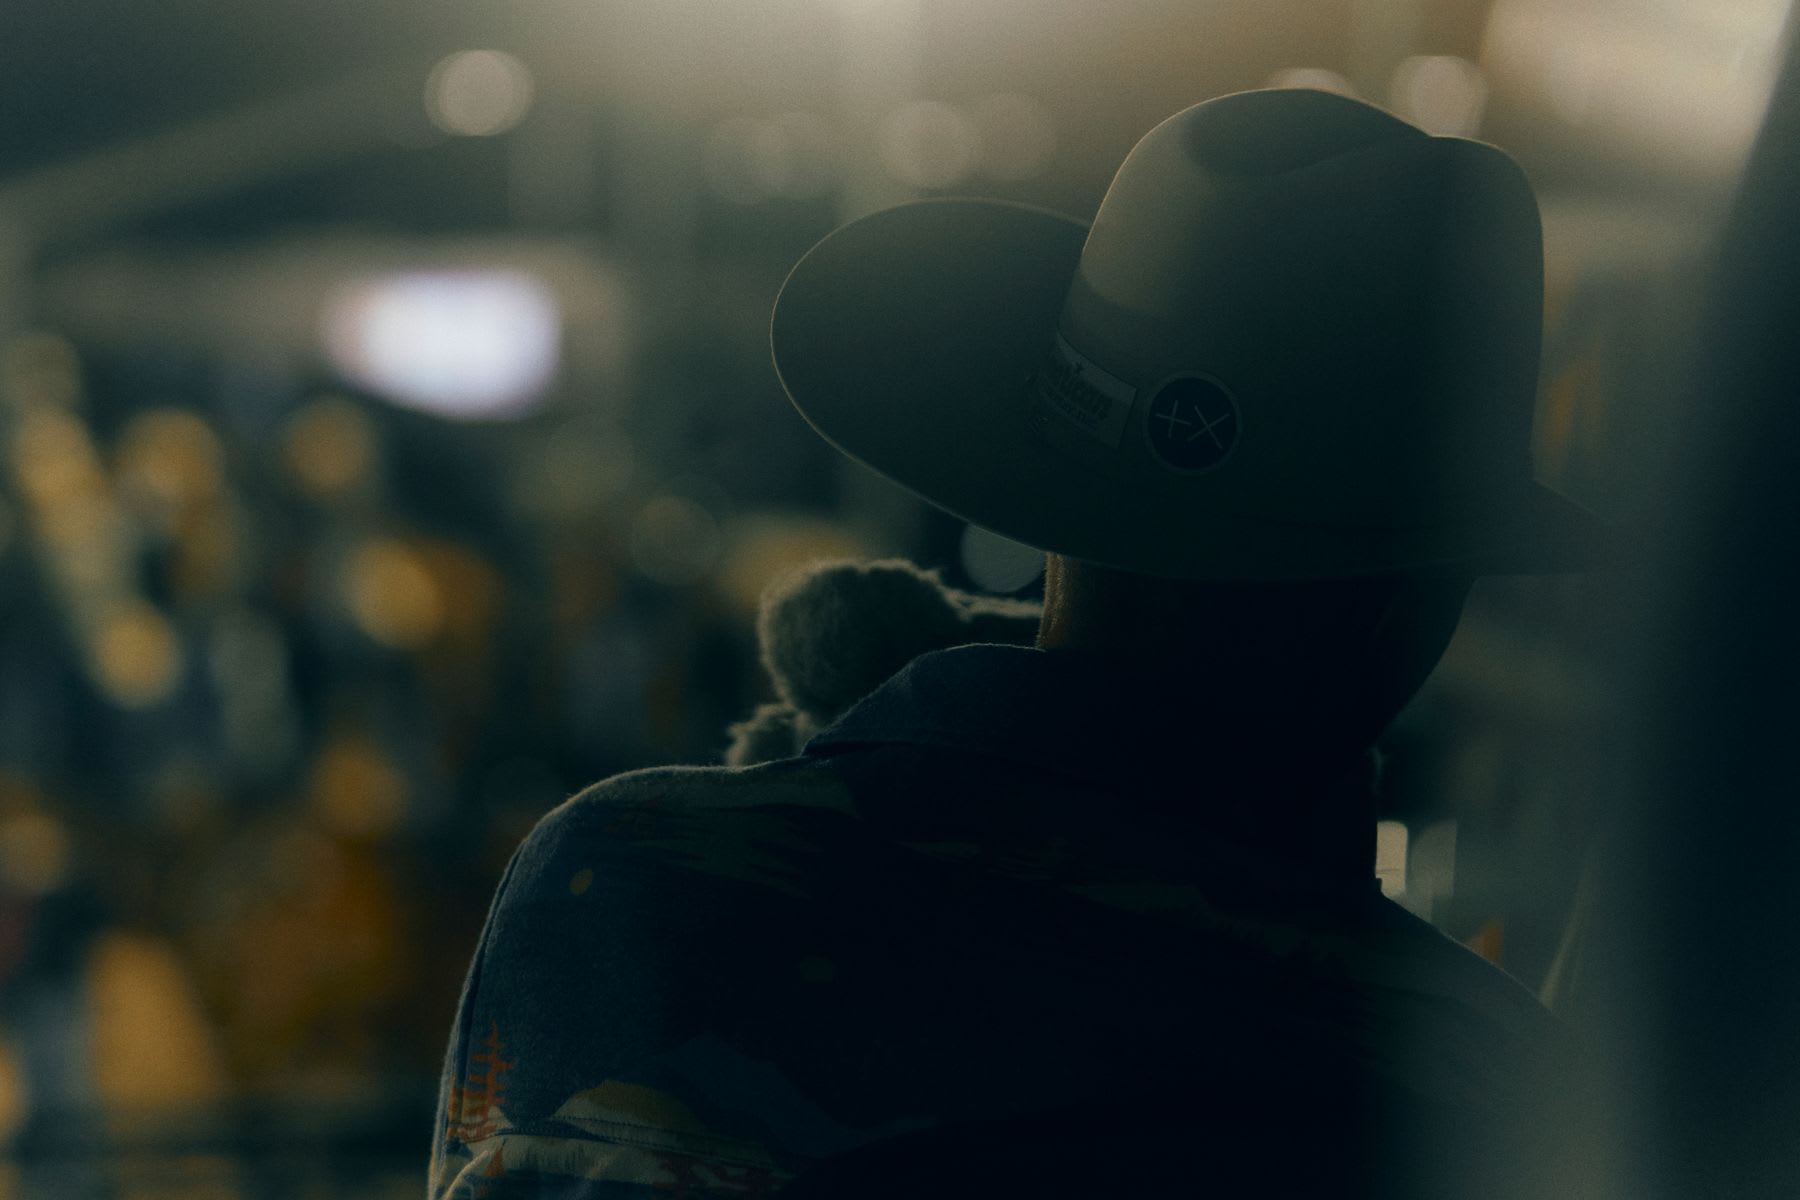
(464, 344)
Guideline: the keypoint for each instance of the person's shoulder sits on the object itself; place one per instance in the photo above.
(722, 821)
(619, 801)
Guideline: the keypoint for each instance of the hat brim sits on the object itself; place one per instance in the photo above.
(906, 339)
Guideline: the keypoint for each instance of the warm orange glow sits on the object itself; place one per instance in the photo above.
(356, 790)
(54, 457)
(136, 656)
(153, 1046)
(14, 1106)
(391, 595)
(170, 458)
(329, 447)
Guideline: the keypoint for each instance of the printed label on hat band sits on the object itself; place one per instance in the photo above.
(1075, 389)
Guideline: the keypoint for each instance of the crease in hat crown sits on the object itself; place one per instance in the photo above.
(1361, 299)
(1292, 247)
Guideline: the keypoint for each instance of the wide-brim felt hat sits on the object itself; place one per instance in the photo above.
(1299, 340)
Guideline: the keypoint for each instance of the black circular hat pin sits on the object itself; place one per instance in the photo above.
(1192, 423)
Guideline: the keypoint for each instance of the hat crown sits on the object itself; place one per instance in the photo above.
(1299, 341)
(1276, 130)
(1370, 295)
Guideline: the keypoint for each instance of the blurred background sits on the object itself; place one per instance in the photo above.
(389, 447)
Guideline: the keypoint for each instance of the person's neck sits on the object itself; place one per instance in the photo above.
(1217, 746)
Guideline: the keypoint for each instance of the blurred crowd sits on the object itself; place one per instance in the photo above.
(285, 680)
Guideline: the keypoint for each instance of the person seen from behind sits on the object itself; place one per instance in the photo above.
(1094, 916)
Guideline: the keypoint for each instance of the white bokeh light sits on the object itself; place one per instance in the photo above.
(998, 564)
(478, 93)
(1440, 93)
(456, 343)
(929, 144)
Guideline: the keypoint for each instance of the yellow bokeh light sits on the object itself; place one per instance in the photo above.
(153, 1045)
(54, 458)
(329, 448)
(356, 790)
(136, 655)
(76, 523)
(15, 1106)
(208, 553)
(456, 571)
(392, 595)
(170, 457)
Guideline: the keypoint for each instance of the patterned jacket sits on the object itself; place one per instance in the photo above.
(995, 885)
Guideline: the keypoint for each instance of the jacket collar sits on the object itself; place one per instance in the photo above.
(1262, 778)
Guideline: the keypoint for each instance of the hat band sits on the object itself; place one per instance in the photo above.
(1085, 414)
(1071, 386)
(1189, 425)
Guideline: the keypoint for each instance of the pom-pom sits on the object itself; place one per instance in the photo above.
(835, 631)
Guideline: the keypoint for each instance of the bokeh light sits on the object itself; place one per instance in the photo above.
(391, 594)
(1390, 857)
(478, 93)
(137, 658)
(15, 1107)
(83, 538)
(169, 458)
(356, 790)
(1440, 93)
(54, 458)
(1431, 868)
(154, 1049)
(929, 144)
(465, 344)
(998, 564)
(329, 448)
